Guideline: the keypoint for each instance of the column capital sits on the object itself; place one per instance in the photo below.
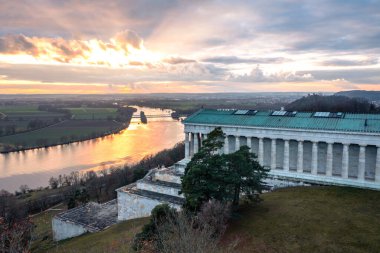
(363, 145)
(330, 142)
(300, 140)
(346, 144)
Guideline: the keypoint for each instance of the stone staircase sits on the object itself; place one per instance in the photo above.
(159, 186)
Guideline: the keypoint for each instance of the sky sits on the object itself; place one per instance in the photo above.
(150, 46)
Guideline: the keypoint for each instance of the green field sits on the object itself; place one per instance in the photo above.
(310, 219)
(304, 219)
(19, 113)
(93, 113)
(70, 130)
(20, 116)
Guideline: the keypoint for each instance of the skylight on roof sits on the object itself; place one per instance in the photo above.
(284, 113)
(241, 112)
(328, 114)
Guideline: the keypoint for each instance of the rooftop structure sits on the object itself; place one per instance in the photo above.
(314, 147)
(328, 121)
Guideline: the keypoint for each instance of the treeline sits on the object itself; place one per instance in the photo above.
(124, 114)
(56, 109)
(76, 188)
(319, 103)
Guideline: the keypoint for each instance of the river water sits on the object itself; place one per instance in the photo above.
(35, 167)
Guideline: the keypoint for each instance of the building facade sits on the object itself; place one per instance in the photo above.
(322, 147)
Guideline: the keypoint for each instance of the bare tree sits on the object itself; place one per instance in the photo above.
(183, 233)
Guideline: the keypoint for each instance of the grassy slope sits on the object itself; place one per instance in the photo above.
(115, 239)
(315, 219)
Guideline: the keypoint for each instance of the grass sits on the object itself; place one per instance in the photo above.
(20, 116)
(307, 219)
(68, 130)
(93, 113)
(42, 233)
(313, 219)
(115, 239)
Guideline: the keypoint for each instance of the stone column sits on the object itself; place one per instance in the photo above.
(329, 159)
(273, 155)
(226, 145)
(286, 155)
(261, 151)
(187, 145)
(361, 168)
(314, 159)
(200, 139)
(237, 143)
(196, 143)
(345, 160)
(377, 170)
(249, 143)
(300, 156)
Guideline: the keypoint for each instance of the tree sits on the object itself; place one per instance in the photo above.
(210, 175)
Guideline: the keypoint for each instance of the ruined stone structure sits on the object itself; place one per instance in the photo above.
(89, 218)
(161, 185)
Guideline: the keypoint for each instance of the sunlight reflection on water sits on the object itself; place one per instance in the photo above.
(35, 167)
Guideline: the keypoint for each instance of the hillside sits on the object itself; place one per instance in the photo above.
(304, 219)
(369, 95)
(318, 103)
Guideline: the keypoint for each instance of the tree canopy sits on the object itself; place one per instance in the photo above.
(211, 175)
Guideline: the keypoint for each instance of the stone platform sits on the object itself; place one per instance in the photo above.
(159, 186)
(89, 218)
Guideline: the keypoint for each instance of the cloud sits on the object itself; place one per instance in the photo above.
(235, 59)
(92, 51)
(128, 38)
(15, 44)
(350, 62)
(178, 60)
(257, 75)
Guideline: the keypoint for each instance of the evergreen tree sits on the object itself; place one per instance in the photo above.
(210, 175)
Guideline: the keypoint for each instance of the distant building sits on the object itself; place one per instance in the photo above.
(320, 147)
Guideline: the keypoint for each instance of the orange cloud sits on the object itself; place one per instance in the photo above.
(98, 52)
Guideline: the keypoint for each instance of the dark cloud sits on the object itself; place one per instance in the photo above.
(13, 44)
(235, 59)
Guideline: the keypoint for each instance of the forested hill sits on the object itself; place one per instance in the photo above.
(334, 103)
(369, 95)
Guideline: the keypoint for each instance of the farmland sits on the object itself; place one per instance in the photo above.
(93, 113)
(20, 118)
(24, 127)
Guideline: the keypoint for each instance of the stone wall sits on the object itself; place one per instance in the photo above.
(132, 206)
(66, 229)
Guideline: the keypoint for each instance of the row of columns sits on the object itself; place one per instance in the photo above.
(197, 138)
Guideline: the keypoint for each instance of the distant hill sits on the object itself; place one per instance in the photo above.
(334, 103)
(369, 95)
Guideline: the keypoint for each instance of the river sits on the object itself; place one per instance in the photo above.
(35, 167)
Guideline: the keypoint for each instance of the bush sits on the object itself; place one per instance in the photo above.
(160, 214)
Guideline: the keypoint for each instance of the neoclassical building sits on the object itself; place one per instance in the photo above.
(320, 147)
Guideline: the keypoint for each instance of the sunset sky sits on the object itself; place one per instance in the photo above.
(145, 46)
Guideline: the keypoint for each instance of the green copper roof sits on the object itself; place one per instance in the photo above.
(348, 122)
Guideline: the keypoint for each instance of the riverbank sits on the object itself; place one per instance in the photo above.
(66, 132)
